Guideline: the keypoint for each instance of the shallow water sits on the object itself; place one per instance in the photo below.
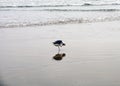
(22, 13)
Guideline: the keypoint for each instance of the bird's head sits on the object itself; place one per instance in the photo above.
(63, 44)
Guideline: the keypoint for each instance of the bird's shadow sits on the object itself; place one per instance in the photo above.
(59, 56)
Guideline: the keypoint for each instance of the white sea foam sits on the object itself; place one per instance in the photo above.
(17, 13)
(56, 2)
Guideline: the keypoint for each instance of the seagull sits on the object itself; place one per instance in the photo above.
(59, 44)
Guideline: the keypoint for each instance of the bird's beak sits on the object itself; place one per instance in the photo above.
(64, 44)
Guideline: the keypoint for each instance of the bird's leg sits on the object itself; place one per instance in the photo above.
(58, 49)
(61, 45)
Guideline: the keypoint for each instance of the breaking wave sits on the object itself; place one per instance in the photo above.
(80, 10)
(57, 22)
(15, 13)
(68, 5)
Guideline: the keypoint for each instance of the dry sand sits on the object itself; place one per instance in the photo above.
(92, 55)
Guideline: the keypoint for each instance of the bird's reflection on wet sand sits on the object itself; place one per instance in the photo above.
(2, 83)
(59, 56)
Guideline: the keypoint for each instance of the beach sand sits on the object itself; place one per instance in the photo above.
(92, 55)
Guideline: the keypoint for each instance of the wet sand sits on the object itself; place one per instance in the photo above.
(91, 56)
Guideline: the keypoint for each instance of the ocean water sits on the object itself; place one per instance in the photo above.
(27, 13)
